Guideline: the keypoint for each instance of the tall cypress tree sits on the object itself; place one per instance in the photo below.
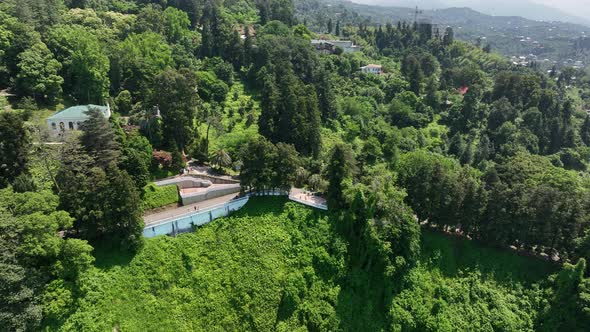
(247, 46)
(312, 136)
(122, 210)
(99, 139)
(339, 169)
(14, 145)
(326, 95)
(413, 73)
(268, 103)
(175, 93)
(585, 131)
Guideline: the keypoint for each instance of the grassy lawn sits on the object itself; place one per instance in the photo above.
(155, 197)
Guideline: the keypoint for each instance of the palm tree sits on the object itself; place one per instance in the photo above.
(221, 159)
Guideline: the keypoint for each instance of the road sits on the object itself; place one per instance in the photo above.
(186, 210)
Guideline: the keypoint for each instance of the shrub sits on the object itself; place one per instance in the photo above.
(155, 197)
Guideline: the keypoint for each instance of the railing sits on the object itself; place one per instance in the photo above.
(269, 192)
(188, 221)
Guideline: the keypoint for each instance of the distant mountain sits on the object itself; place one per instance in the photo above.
(525, 8)
(550, 43)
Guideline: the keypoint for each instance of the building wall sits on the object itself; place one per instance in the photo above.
(68, 124)
(371, 70)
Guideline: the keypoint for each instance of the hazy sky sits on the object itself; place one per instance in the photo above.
(579, 8)
(574, 7)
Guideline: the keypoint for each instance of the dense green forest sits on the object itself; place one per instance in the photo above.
(449, 141)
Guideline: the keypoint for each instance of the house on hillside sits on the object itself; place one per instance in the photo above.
(71, 118)
(329, 46)
(372, 69)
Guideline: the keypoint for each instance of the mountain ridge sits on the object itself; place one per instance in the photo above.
(553, 43)
(505, 8)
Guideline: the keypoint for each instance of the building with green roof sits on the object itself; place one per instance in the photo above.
(70, 119)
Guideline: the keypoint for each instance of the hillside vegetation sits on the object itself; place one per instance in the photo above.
(448, 136)
(281, 266)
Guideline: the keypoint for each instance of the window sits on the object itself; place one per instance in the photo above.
(53, 126)
(62, 126)
(71, 125)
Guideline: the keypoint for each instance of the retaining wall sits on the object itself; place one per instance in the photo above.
(209, 193)
(188, 222)
(189, 177)
(214, 179)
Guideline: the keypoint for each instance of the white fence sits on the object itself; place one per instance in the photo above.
(188, 222)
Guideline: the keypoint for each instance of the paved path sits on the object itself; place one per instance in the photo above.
(305, 197)
(185, 210)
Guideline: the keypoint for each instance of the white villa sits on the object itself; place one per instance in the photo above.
(329, 46)
(71, 118)
(372, 69)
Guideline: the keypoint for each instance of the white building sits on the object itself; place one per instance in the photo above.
(329, 46)
(71, 118)
(372, 69)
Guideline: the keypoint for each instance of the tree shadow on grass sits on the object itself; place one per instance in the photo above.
(108, 254)
(264, 205)
(451, 255)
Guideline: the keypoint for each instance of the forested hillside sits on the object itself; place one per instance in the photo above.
(558, 42)
(448, 138)
(280, 266)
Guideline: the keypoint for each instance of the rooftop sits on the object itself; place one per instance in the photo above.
(372, 66)
(77, 112)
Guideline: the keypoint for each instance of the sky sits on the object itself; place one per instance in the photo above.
(573, 7)
(579, 8)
